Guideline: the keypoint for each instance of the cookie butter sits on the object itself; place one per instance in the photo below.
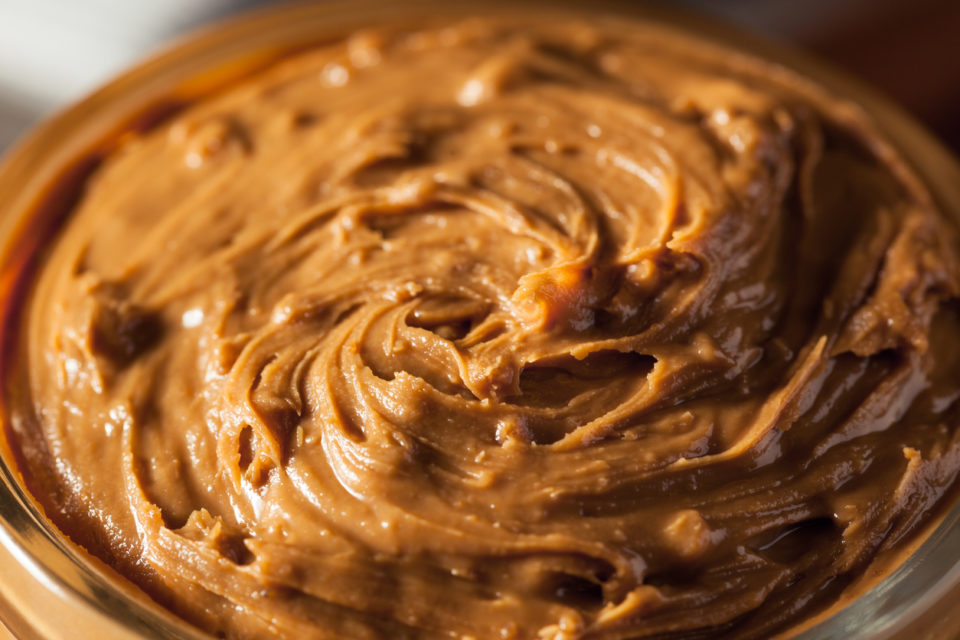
(515, 327)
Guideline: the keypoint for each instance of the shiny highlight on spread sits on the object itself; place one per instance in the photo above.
(518, 327)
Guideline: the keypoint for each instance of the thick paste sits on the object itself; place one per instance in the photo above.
(513, 327)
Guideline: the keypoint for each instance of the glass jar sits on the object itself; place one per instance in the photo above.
(50, 588)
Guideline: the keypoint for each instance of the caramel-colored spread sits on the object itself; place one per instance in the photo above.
(519, 327)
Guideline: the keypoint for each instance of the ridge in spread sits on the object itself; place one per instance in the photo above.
(501, 328)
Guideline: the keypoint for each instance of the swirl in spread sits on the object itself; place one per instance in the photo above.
(501, 328)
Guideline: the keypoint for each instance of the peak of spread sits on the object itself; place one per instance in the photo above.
(503, 328)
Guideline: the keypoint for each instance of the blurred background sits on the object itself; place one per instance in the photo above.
(54, 51)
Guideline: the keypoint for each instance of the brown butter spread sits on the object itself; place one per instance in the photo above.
(525, 327)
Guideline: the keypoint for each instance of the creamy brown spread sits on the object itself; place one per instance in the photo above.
(522, 327)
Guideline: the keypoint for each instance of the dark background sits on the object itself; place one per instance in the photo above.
(909, 49)
(53, 52)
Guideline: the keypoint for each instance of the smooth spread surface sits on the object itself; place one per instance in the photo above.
(506, 328)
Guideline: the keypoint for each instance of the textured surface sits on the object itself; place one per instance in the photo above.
(498, 331)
